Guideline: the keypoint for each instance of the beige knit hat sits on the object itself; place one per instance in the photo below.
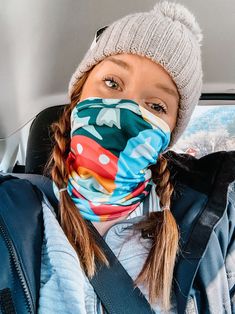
(170, 36)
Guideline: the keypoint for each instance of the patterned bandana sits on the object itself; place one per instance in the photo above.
(113, 142)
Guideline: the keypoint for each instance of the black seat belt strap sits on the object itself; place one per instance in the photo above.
(114, 286)
(146, 205)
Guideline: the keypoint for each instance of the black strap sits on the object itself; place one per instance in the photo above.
(114, 286)
(146, 205)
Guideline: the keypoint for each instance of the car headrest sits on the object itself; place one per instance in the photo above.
(40, 142)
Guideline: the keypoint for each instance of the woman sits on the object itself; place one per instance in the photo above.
(131, 98)
(153, 59)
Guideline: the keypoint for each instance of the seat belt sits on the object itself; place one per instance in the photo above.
(113, 284)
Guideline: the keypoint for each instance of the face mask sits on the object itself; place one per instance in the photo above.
(113, 143)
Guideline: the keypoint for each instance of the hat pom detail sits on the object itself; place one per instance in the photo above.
(177, 12)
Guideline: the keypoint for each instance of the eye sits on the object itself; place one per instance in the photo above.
(160, 108)
(112, 80)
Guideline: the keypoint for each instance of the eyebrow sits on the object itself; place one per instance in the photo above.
(128, 67)
(167, 90)
(121, 63)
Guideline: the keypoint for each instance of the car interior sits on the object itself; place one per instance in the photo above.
(42, 43)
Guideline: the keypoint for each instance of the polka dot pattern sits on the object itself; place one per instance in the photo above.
(79, 148)
(103, 159)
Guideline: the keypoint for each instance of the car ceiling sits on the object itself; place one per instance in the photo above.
(43, 41)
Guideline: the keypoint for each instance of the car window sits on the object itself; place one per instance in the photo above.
(211, 128)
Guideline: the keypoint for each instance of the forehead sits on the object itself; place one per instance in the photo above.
(135, 63)
(130, 61)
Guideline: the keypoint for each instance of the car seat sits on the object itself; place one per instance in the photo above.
(40, 142)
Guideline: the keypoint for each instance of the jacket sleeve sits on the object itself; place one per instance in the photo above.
(230, 254)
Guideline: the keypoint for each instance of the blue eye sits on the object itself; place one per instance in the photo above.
(110, 79)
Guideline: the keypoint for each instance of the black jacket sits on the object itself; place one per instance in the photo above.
(202, 203)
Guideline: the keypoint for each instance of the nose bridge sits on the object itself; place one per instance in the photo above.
(138, 100)
(134, 92)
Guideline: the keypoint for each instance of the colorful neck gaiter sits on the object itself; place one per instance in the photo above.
(113, 142)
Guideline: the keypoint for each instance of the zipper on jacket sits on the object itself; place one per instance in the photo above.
(16, 263)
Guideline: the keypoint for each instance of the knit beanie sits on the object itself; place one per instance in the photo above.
(168, 35)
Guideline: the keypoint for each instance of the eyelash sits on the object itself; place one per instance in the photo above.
(153, 104)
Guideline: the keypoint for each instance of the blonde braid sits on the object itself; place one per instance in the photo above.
(157, 272)
(161, 177)
(71, 221)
